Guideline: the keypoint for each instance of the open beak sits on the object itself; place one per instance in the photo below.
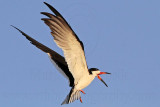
(101, 78)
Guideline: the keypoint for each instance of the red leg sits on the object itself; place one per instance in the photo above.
(82, 91)
(80, 100)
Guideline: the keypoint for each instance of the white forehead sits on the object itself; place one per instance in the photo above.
(96, 72)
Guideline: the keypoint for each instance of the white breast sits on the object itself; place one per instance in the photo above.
(84, 81)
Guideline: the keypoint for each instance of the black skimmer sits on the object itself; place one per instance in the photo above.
(73, 66)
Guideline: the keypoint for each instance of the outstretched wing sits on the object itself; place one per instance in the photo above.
(67, 40)
(56, 59)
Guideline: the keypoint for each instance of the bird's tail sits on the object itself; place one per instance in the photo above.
(72, 96)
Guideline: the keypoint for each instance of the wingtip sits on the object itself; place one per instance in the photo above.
(46, 14)
(13, 26)
(47, 4)
(16, 28)
(44, 19)
(42, 12)
(53, 9)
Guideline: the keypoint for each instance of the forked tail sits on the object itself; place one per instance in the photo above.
(72, 96)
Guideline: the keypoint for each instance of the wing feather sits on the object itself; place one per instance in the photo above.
(67, 40)
(56, 58)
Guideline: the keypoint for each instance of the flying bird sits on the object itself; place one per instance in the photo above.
(73, 65)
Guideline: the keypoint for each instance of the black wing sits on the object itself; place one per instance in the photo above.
(58, 59)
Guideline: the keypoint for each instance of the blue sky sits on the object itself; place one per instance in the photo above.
(120, 36)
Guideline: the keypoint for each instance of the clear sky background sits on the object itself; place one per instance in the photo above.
(120, 36)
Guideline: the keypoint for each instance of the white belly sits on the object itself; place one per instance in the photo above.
(84, 82)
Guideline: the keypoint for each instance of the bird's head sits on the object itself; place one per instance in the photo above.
(97, 72)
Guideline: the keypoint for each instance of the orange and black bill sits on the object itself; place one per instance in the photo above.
(101, 78)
